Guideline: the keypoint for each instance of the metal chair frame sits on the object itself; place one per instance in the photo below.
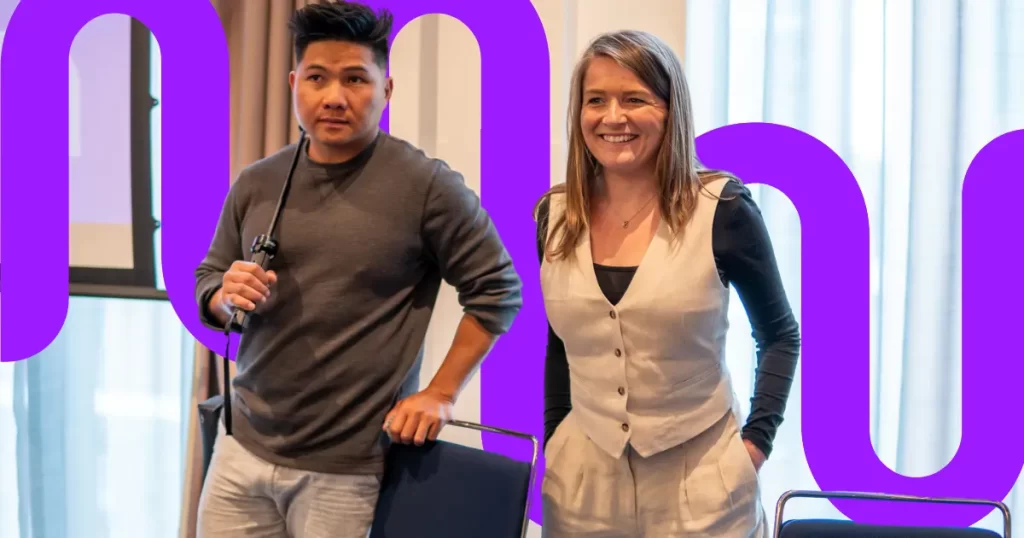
(533, 459)
(883, 497)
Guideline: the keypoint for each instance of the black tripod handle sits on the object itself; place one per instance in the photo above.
(264, 248)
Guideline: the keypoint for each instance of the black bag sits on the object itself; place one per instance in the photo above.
(210, 413)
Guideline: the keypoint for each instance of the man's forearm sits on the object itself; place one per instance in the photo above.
(471, 344)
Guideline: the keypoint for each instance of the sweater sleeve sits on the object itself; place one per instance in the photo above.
(557, 400)
(746, 260)
(470, 255)
(225, 249)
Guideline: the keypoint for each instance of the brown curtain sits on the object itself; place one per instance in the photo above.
(261, 123)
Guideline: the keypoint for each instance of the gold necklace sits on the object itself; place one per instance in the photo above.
(625, 223)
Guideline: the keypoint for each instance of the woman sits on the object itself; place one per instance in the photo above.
(639, 247)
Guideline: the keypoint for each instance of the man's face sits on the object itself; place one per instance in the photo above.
(339, 93)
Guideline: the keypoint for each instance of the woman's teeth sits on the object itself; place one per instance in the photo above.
(618, 139)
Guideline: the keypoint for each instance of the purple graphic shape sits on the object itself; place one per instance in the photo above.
(835, 325)
(34, 190)
(514, 172)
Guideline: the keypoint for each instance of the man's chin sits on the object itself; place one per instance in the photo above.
(331, 137)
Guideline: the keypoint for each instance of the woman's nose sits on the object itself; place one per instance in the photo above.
(614, 114)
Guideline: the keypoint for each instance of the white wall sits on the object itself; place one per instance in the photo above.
(436, 105)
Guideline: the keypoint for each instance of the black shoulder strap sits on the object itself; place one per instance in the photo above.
(270, 234)
(227, 381)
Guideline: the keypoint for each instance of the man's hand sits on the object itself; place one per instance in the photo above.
(756, 456)
(422, 415)
(245, 285)
(419, 417)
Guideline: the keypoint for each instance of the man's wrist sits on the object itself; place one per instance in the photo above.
(443, 390)
(215, 307)
(471, 344)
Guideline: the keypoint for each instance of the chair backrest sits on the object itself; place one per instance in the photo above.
(830, 528)
(451, 490)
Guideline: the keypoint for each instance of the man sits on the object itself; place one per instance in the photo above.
(370, 227)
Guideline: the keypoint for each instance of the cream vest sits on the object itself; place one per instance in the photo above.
(651, 370)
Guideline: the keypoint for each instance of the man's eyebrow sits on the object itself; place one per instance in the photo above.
(350, 68)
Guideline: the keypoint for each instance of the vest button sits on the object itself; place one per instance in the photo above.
(622, 391)
(625, 427)
(618, 352)
(612, 314)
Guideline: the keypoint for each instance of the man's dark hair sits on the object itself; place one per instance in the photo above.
(342, 21)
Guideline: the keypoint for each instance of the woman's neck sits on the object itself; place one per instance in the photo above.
(626, 190)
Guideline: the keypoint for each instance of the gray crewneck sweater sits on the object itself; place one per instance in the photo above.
(363, 248)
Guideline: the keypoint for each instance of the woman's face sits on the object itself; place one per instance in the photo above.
(623, 122)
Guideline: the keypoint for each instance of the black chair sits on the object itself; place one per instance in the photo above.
(832, 528)
(447, 490)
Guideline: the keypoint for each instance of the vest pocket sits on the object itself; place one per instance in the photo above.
(713, 370)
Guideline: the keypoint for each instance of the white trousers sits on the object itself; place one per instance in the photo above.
(706, 487)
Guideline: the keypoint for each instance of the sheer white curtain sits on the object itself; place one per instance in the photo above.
(92, 428)
(906, 92)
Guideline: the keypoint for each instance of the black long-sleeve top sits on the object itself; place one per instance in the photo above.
(746, 260)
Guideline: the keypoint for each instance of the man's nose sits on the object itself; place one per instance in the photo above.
(336, 97)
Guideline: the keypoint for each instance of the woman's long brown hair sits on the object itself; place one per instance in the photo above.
(680, 173)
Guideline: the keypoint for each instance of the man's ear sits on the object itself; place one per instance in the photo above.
(291, 80)
(389, 87)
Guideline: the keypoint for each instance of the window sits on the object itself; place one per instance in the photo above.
(906, 93)
(94, 428)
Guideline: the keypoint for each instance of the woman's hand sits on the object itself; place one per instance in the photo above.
(756, 456)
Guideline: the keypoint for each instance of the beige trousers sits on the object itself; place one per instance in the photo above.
(247, 497)
(706, 487)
